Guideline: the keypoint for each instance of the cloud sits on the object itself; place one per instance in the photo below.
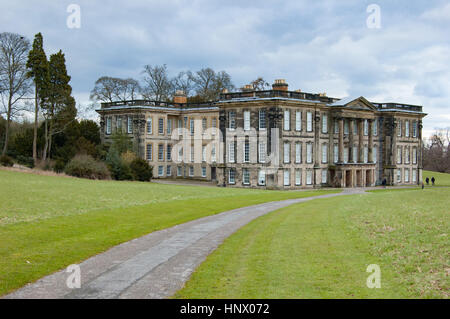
(321, 46)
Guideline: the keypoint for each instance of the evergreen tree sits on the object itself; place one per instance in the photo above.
(38, 70)
(58, 106)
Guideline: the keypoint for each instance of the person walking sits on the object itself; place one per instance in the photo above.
(427, 180)
(423, 185)
(384, 182)
(433, 180)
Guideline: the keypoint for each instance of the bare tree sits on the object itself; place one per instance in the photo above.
(183, 82)
(158, 86)
(209, 84)
(260, 84)
(14, 83)
(436, 153)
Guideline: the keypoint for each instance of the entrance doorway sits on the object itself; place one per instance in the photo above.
(359, 178)
(213, 173)
(348, 178)
(368, 177)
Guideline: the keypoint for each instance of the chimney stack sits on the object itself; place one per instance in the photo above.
(280, 85)
(180, 97)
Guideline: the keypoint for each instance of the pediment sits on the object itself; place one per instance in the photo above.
(359, 103)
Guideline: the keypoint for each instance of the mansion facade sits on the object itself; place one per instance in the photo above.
(275, 138)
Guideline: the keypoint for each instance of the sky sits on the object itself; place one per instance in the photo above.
(397, 52)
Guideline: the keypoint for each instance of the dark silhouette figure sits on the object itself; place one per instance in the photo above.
(433, 180)
(423, 185)
(427, 180)
(384, 182)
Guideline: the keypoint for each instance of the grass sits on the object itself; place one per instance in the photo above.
(321, 249)
(442, 179)
(49, 222)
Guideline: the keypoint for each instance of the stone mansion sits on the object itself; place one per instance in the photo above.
(275, 138)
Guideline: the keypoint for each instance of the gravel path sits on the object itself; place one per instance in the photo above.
(155, 265)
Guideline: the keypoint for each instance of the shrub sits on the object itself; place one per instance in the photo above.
(119, 169)
(5, 160)
(128, 157)
(26, 161)
(141, 170)
(86, 166)
(59, 165)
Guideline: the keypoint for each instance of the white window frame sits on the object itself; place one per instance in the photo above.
(231, 176)
(179, 171)
(298, 121)
(246, 120)
(232, 120)
(407, 128)
(298, 152)
(192, 154)
(324, 153)
(346, 153)
(262, 120)
(246, 176)
(150, 126)
(262, 177)
(203, 153)
(286, 177)
(298, 177)
(309, 177)
(399, 154)
(129, 125)
(203, 171)
(335, 153)
(324, 176)
(309, 124)
(191, 171)
(231, 152)
(160, 170)
(287, 120)
(414, 175)
(246, 152)
(324, 123)
(262, 152)
(286, 152)
(149, 152)
(366, 127)
(309, 153)
(161, 152)
(161, 126)
(406, 175)
(108, 125)
(414, 156)
(169, 152)
(169, 170)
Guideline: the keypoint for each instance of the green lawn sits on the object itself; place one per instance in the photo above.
(321, 249)
(47, 222)
(442, 179)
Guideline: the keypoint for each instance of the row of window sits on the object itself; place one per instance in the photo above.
(129, 123)
(298, 122)
(181, 171)
(165, 153)
(406, 129)
(286, 177)
(262, 151)
(404, 154)
(403, 176)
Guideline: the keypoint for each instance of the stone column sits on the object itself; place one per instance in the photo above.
(370, 159)
(361, 141)
(350, 146)
(341, 140)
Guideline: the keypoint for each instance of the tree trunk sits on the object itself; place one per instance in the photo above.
(50, 134)
(35, 129)
(8, 123)
(44, 153)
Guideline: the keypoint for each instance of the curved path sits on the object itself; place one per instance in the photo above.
(155, 265)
